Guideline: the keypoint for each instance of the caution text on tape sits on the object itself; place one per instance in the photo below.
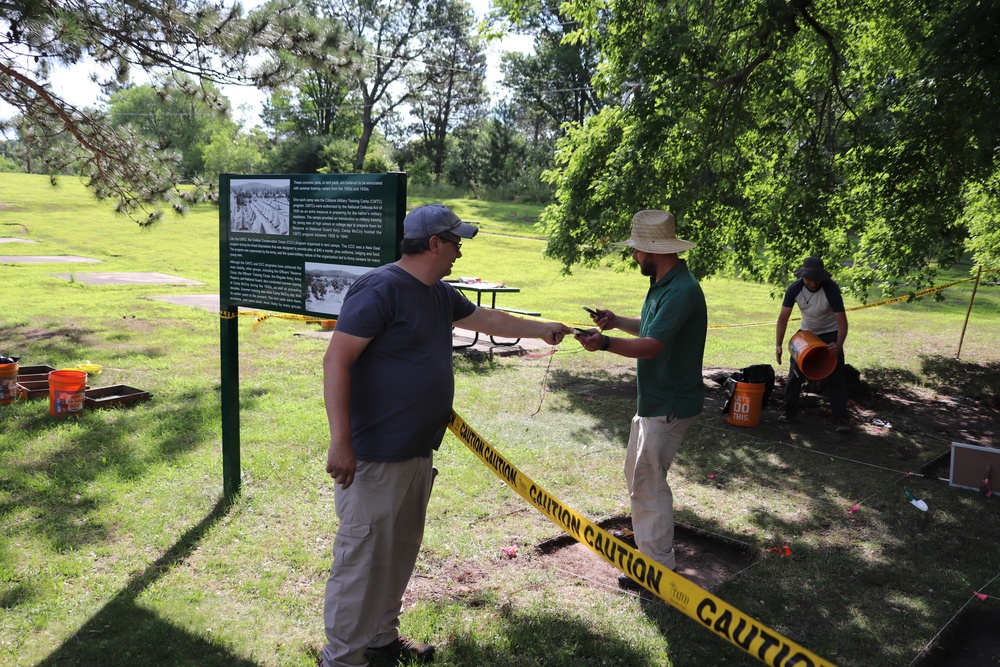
(715, 614)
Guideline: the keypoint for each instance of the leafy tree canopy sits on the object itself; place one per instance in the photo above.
(864, 132)
(454, 92)
(397, 41)
(555, 79)
(174, 117)
(202, 39)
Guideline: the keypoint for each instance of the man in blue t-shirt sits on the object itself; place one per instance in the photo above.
(668, 343)
(822, 306)
(388, 386)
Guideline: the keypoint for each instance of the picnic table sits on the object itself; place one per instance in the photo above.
(479, 288)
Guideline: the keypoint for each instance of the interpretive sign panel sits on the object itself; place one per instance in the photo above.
(296, 243)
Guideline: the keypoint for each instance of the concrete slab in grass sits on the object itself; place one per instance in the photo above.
(13, 240)
(45, 259)
(127, 279)
(206, 301)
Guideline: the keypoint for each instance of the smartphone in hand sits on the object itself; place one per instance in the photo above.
(591, 311)
(581, 332)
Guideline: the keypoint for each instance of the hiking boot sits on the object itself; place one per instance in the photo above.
(626, 582)
(402, 649)
(625, 535)
(786, 418)
(843, 425)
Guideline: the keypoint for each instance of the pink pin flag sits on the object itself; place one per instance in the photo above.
(854, 509)
(510, 551)
(712, 476)
(981, 596)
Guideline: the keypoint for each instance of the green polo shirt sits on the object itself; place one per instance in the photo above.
(675, 314)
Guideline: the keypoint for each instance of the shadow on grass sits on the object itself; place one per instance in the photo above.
(946, 375)
(124, 633)
(798, 485)
(50, 489)
(544, 639)
(474, 364)
(51, 480)
(609, 398)
(954, 376)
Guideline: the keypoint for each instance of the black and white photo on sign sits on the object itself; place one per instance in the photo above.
(327, 284)
(259, 206)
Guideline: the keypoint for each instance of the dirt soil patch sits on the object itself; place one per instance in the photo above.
(702, 558)
(971, 641)
(705, 559)
(959, 402)
(947, 413)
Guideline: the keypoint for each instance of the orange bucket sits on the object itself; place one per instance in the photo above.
(8, 383)
(744, 408)
(66, 392)
(811, 355)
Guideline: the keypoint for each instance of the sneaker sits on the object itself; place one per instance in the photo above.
(627, 583)
(403, 649)
(843, 425)
(786, 418)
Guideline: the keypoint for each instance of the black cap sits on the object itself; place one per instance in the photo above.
(812, 269)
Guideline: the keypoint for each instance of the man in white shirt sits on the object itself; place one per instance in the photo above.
(822, 306)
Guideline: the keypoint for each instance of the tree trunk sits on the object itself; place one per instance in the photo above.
(367, 127)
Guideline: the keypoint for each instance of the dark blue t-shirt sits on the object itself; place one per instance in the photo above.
(402, 384)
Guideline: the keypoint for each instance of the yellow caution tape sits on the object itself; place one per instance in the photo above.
(86, 367)
(309, 319)
(712, 612)
(905, 297)
(263, 317)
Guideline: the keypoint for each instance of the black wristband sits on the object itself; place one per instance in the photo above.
(607, 343)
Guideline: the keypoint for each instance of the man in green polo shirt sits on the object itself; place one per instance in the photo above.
(669, 345)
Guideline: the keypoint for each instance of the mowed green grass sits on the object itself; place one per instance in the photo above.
(116, 548)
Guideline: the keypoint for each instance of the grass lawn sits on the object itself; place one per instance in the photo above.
(116, 548)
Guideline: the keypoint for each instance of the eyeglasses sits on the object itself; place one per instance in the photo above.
(458, 245)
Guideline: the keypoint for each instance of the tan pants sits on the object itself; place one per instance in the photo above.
(652, 445)
(381, 527)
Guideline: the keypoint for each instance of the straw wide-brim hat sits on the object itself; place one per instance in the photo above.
(653, 232)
